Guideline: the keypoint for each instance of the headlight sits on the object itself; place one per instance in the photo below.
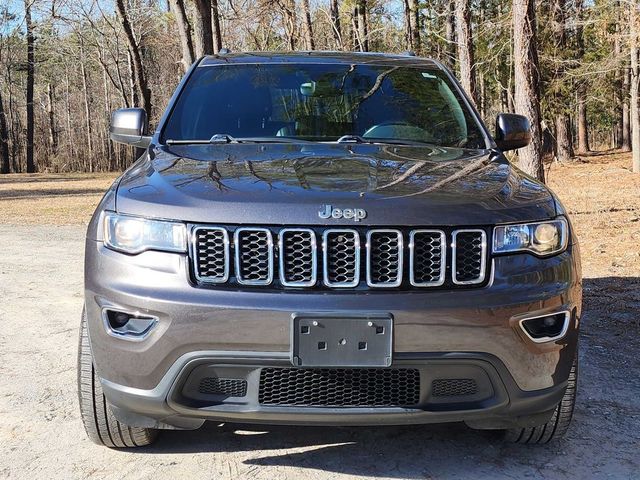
(136, 234)
(541, 238)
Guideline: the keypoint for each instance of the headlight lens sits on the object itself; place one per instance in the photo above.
(136, 234)
(541, 238)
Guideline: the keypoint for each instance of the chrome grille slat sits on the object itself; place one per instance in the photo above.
(256, 256)
(469, 252)
(298, 257)
(384, 258)
(253, 256)
(341, 258)
(427, 258)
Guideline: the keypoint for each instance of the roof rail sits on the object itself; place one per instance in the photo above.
(409, 53)
(224, 51)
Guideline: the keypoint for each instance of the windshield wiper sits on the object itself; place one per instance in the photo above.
(223, 138)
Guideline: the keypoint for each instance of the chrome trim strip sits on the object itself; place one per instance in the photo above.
(565, 326)
(443, 259)
(314, 258)
(325, 259)
(194, 249)
(398, 281)
(129, 336)
(236, 237)
(483, 260)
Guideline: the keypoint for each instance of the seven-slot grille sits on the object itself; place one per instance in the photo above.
(306, 257)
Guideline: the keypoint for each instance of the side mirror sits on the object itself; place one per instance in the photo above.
(128, 126)
(512, 131)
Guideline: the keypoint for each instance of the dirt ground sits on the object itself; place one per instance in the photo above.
(42, 221)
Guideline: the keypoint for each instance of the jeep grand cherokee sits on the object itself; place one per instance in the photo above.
(323, 238)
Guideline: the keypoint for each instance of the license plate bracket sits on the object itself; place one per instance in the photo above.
(337, 340)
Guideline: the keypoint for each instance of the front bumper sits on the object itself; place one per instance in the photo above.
(247, 330)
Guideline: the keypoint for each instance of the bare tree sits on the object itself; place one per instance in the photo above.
(134, 50)
(465, 48)
(308, 29)
(4, 139)
(31, 166)
(527, 83)
(335, 24)
(184, 30)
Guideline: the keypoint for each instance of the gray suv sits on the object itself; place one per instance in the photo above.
(326, 239)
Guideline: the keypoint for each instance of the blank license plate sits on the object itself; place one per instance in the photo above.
(326, 341)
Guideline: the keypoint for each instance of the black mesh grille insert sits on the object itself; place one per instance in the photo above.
(211, 252)
(233, 387)
(427, 255)
(385, 254)
(469, 256)
(340, 387)
(298, 250)
(342, 257)
(454, 387)
(254, 252)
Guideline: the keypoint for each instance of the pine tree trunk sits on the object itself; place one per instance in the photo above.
(31, 166)
(87, 112)
(53, 134)
(215, 26)
(527, 84)
(564, 146)
(583, 131)
(184, 30)
(626, 119)
(412, 25)
(563, 141)
(465, 48)
(634, 35)
(202, 33)
(308, 29)
(363, 28)
(335, 22)
(450, 33)
(4, 139)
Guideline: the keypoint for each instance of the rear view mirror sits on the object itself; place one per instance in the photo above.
(512, 131)
(128, 126)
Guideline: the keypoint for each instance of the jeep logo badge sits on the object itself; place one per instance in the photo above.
(355, 214)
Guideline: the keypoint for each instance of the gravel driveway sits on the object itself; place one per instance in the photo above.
(41, 435)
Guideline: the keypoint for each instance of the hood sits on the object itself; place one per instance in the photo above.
(289, 184)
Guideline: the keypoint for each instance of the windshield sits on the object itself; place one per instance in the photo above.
(322, 102)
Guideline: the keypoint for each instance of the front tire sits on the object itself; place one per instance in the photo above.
(559, 422)
(101, 425)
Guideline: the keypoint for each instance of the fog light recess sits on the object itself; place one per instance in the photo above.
(546, 328)
(128, 325)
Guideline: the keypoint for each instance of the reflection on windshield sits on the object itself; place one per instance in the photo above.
(322, 103)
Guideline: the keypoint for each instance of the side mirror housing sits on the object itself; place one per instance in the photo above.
(512, 131)
(128, 126)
